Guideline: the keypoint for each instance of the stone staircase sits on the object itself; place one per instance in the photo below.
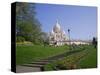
(40, 63)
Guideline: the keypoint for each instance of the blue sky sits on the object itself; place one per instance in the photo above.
(81, 20)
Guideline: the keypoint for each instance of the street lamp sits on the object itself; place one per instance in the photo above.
(69, 39)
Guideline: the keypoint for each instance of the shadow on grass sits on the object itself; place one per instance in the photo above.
(64, 54)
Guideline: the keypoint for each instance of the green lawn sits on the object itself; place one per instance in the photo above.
(90, 60)
(86, 58)
(27, 54)
(83, 59)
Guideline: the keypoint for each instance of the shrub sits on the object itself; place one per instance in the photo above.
(20, 39)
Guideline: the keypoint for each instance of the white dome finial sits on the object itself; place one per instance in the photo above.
(57, 21)
(57, 24)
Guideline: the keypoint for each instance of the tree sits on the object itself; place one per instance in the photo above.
(94, 42)
(45, 38)
(27, 25)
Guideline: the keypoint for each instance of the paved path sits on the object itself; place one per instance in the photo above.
(37, 66)
(22, 69)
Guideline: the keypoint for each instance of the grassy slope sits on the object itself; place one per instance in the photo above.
(90, 60)
(27, 54)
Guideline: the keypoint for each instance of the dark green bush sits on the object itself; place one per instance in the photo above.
(20, 39)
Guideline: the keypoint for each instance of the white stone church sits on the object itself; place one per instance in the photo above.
(58, 37)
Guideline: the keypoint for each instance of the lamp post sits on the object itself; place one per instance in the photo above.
(69, 39)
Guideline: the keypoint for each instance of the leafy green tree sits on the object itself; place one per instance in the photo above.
(28, 26)
(45, 38)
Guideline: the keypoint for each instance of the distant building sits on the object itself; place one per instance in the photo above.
(80, 42)
(58, 37)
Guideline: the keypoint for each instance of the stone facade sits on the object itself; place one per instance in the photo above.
(57, 36)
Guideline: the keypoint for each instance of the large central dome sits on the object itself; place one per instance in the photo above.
(57, 27)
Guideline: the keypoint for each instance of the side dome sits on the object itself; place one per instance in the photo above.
(52, 33)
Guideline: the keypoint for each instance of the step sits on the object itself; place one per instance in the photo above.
(39, 62)
(32, 65)
(45, 60)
